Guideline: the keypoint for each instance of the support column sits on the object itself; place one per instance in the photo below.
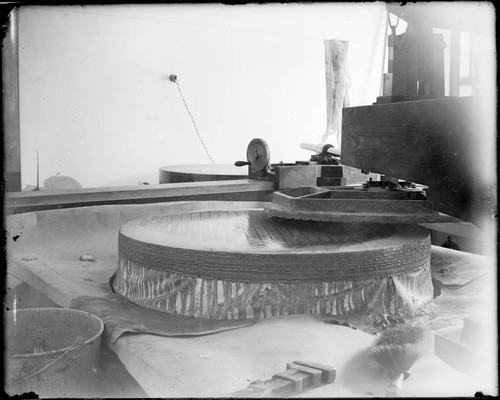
(10, 98)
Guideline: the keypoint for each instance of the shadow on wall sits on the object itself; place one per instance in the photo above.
(56, 182)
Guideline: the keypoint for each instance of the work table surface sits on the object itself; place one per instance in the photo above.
(46, 256)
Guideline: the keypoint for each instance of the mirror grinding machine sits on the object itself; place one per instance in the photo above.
(338, 250)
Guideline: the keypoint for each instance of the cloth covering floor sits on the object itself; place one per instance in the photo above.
(51, 242)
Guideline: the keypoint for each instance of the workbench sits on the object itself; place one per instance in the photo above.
(45, 255)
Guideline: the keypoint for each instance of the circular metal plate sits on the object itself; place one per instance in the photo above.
(258, 155)
(201, 172)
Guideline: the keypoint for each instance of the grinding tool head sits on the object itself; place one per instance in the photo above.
(258, 155)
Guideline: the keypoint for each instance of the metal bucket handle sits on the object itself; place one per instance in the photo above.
(78, 343)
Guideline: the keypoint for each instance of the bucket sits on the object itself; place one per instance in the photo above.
(53, 352)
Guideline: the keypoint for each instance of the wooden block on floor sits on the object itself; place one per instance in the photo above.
(457, 354)
(473, 332)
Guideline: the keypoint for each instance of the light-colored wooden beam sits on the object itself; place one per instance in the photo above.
(235, 190)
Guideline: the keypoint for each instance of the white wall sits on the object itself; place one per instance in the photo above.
(97, 104)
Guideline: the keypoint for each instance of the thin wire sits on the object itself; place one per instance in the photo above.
(165, 21)
(194, 123)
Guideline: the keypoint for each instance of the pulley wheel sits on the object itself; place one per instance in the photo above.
(258, 155)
